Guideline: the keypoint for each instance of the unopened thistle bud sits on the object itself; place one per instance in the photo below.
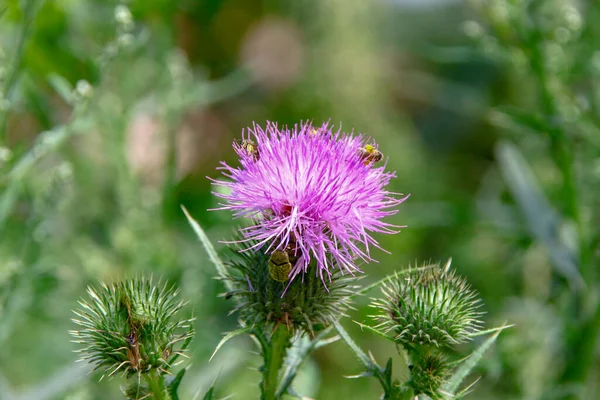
(266, 296)
(130, 327)
(428, 306)
(428, 373)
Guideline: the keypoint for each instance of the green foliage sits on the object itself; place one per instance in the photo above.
(496, 135)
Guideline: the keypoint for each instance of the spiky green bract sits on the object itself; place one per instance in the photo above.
(428, 306)
(428, 373)
(130, 327)
(304, 305)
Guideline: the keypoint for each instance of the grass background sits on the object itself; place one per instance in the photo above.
(93, 184)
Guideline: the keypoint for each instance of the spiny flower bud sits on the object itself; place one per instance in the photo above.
(265, 296)
(428, 306)
(428, 373)
(129, 327)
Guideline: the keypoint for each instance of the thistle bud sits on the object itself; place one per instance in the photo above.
(428, 373)
(129, 327)
(428, 306)
(265, 298)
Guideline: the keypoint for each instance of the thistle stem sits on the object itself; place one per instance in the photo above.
(156, 384)
(274, 357)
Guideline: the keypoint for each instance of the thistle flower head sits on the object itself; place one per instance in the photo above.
(129, 327)
(312, 192)
(429, 305)
(305, 305)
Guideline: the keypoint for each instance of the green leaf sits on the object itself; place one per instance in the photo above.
(543, 221)
(212, 253)
(62, 87)
(209, 395)
(296, 355)
(491, 330)
(230, 335)
(387, 372)
(375, 331)
(173, 384)
(361, 355)
(466, 390)
(470, 362)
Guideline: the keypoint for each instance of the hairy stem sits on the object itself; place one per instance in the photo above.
(274, 357)
(156, 385)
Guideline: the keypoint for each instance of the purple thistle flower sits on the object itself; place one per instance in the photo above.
(310, 190)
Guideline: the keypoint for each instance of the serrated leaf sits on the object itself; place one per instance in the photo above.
(229, 336)
(470, 362)
(491, 330)
(375, 331)
(296, 355)
(325, 342)
(542, 220)
(361, 355)
(62, 87)
(212, 253)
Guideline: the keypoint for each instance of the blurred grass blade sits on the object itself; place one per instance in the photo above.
(230, 335)
(543, 221)
(212, 253)
(517, 117)
(470, 362)
(62, 87)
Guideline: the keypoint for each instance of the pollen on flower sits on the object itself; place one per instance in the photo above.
(311, 192)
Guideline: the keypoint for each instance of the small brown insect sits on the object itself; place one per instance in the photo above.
(370, 154)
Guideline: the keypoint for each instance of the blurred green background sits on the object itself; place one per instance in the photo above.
(92, 182)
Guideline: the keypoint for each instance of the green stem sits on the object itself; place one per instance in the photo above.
(156, 385)
(274, 357)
